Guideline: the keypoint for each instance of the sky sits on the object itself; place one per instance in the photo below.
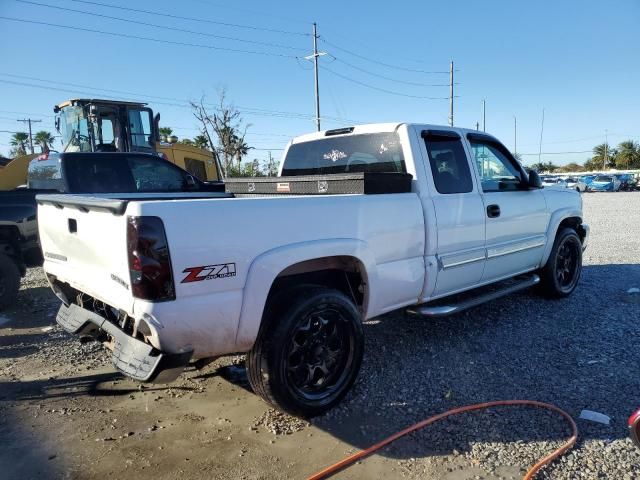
(577, 60)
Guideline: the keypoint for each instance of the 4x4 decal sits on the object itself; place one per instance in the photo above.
(209, 272)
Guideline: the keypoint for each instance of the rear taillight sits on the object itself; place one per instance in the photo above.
(149, 260)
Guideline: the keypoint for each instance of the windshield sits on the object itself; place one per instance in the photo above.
(74, 130)
(377, 152)
(122, 173)
(603, 178)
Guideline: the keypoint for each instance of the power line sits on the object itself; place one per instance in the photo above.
(377, 61)
(184, 104)
(198, 129)
(192, 19)
(254, 11)
(391, 92)
(149, 39)
(25, 113)
(554, 153)
(384, 77)
(155, 25)
(30, 121)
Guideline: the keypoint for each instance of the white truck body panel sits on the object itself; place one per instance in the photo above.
(411, 247)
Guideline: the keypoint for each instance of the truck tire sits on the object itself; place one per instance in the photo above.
(9, 281)
(308, 352)
(559, 276)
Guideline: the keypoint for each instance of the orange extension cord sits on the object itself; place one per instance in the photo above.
(479, 406)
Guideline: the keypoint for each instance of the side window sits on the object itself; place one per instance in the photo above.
(140, 127)
(152, 175)
(449, 165)
(497, 171)
(196, 168)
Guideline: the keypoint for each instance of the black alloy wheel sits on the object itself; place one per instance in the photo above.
(560, 275)
(308, 351)
(320, 352)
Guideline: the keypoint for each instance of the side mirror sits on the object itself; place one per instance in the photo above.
(534, 179)
(57, 124)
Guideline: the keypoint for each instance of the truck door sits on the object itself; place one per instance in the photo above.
(516, 217)
(459, 212)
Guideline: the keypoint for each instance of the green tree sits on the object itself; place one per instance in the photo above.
(201, 141)
(591, 166)
(186, 141)
(240, 148)
(603, 157)
(225, 125)
(571, 167)
(165, 132)
(628, 155)
(19, 143)
(547, 167)
(44, 140)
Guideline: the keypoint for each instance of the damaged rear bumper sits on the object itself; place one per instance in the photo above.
(133, 357)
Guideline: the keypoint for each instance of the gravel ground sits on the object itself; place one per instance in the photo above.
(577, 353)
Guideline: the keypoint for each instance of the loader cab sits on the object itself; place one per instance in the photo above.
(90, 125)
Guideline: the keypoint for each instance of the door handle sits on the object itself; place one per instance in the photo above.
(493, 211)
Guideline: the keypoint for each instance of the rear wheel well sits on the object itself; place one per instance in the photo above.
(343, 273)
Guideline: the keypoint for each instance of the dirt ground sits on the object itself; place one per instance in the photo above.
(65, 413)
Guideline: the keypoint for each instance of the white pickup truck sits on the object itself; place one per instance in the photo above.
(288, 279)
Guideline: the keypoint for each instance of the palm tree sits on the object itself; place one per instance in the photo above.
(201, 141)
(241, 148)
(19, 143)
(628, 154)
(44, 139)
(603, 155)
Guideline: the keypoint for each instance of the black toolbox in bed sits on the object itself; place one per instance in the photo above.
(334, 184)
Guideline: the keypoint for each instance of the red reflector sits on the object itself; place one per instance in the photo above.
(635, 416)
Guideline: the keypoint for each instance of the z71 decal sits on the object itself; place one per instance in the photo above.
(209, 272)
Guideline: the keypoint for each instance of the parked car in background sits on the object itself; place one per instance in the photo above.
(587, 179)
(576, 184)
(627, 181)
(605, 183)
(77, 173)
(553, 182)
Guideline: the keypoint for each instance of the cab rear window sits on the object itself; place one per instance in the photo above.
(376, 152)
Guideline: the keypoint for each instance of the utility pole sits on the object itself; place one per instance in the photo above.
(484, 116)
(515, 135)
(477, 125)
(30, 121)
(606, 147)
(541, 131)
(451, 94)
(315, 56)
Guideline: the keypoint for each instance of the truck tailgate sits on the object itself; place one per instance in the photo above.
(84, 243)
